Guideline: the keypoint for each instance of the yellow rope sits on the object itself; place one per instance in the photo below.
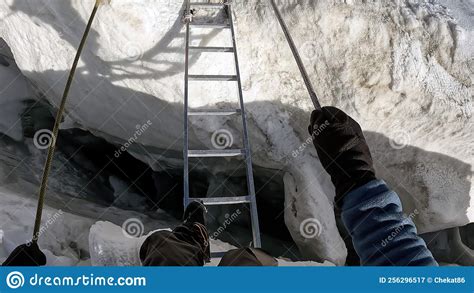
(59, 117)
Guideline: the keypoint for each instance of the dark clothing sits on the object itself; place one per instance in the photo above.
(187, 245)
(26, 255)
(247, 257)
(381, 234)
(342, 150)
(372, 214)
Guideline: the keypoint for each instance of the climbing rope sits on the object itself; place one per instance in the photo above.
(57, 122)
(297, 57)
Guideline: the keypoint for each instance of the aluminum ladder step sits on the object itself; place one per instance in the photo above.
(218, 254)
(214, 112)
(215, 153)
(213, 49)
(212, 77)
(212, 201)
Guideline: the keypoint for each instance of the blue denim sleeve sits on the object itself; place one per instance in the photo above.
(381, 233)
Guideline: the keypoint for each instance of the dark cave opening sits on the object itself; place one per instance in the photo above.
(97, 159)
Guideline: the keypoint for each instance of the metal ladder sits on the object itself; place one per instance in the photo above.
(245, 153)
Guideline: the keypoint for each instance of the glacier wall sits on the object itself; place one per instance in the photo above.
(404, 69)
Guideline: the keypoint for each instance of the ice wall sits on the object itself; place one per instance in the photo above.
(404, 69)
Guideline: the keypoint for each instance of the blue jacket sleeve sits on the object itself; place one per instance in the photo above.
(381, 234)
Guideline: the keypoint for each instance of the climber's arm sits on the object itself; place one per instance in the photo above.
(381, 234)
(371, 212)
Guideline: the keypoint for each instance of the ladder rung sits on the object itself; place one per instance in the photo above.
(210, 25)
(214, 153)
(213, 77)
(212, 201)
(213, 49)
(218, 254)
(214, 112)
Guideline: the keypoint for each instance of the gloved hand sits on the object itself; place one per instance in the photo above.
(342, 149)
(26, 255)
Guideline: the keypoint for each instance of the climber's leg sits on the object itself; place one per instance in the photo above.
(187, 245)
(247, 257)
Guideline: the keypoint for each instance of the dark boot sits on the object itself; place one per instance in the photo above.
(195, 213)
(187, 245)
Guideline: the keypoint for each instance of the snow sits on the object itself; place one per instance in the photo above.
(109, 246)
(14, 92)
(65, 237)
(62, 239)
(404, 69)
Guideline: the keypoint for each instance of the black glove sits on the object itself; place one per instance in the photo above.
(342, 149)
(26, 255)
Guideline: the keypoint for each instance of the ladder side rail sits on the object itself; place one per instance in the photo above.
(248, 158)
(186, 105)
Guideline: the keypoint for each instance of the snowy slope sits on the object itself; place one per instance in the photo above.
(14, 91)
(404, 70)
(63, 236)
